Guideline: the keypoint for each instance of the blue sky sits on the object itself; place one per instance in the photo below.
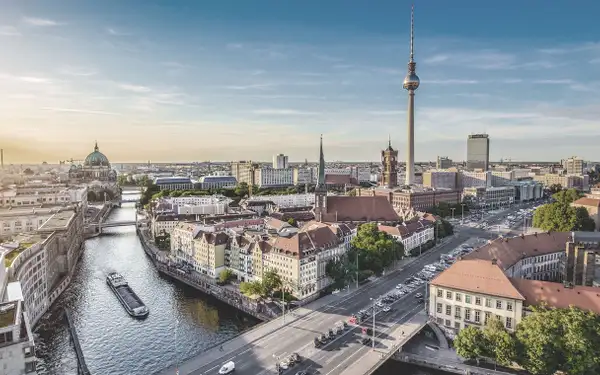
(224, 80)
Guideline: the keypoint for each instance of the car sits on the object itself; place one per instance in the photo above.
(317, 342)
(302, 373)
(295, 357)
(227, 368)
(418, 295)
(366, 340)
(284, 365)
(399, 286)
(387, 309)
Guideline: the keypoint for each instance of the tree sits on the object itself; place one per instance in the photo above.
(291, 221)
(560, 216)
(500, 344)
(226, 276)
(554, 188)
(470, 343)
(376, 249)
(551, 340)
(271, 281)
(253, 288)
(241, 190)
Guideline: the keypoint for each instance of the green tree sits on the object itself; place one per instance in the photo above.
(500, 344)
(254, 288)
(241, 190)
(376, 249)
(226, 276)
(291, 221)
(271, 282)
(554, 188)
(560, 216)
(470, 343)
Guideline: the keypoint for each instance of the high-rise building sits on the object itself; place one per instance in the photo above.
(573, 165)
(411, 83)
(389, 159)
(280, 161)
(478, 152)
(443, 162)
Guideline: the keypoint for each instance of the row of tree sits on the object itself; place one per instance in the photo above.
(371, 252)
(271, 282)
(546, 341)
(560, 216)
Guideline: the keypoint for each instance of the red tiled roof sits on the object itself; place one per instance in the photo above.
(312, 237)
(508, 251)
(590, 202)
(276, 224)
(556, 295)
(344, 208)
(478, 276)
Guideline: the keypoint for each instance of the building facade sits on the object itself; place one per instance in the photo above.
(280, 161)
(443, 162)
(389, 161)
(270, 177)
(440, 179)
(478, 152)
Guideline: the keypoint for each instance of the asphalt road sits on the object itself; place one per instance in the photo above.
(260, 356)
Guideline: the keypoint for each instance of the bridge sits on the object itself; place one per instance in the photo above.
(257, 351)
(112, 224)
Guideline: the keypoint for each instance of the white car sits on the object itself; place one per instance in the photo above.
(284, 365)
(227, 368)
(387, 309)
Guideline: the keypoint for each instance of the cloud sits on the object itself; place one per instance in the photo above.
(387, 113)
(436, 59)
(258, 86)
(175, 65)
(595, 61)
(134, 88)
(29, 79)
(283, 112)
(115, 32)
(553, 81)
(80, 111)
(234, 46)
(40, 22)
(9, 31)
(452, 82)
(77, 71)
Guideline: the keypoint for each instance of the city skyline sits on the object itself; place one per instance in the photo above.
(188, 87)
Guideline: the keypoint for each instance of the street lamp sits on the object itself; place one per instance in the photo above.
(452, 209)
(373, 339)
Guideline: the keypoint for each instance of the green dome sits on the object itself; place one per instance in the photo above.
(96, 159)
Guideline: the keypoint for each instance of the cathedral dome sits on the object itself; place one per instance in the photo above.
(96, 159)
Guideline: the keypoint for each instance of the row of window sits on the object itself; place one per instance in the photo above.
(469, 315)
(489, 302)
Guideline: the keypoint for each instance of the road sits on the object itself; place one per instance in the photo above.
(259, 355)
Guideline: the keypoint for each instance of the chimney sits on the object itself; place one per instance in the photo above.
(494, 261)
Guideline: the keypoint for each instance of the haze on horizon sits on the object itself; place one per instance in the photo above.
(193, 81)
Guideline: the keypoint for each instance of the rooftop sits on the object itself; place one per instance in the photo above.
(58, 221)
(8, 314)
(588, 202)
(508, 251)
(11, 252)
(32, 210)
(478, 276)
(556, 295)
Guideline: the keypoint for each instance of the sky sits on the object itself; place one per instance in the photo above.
(232, 79)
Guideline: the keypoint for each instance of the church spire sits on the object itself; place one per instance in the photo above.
(96, 147)
(321, 172)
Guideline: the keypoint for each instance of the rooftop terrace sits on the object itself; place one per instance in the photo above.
(58, 221)
(10, 255)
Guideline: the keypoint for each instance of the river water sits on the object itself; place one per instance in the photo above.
(182, 321)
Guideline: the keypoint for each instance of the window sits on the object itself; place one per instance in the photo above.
(488, 302)
(457, 312)
(477, 316)
(488, 315)
(440, 293)
(467, 314)
(509, 323)
(458, 297)
(449, 295)
(467, 299)
(509, 306)
(448, 323)
(498, 304)
(457, 325)
(439, 308)
(478, 301)
(448, 310)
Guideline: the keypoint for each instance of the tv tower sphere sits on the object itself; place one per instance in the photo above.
(411, 82)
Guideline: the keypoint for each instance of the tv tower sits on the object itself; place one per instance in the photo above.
(411, 83)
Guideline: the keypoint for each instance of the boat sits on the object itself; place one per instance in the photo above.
(130, 301)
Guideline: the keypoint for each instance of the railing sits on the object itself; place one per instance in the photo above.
(83, 369)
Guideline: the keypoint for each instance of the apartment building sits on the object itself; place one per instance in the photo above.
(287, 200)
(423, 199)
(443, 162)
(472, 291)
(37, 194)
(280, 161)
(440, 179)
(304, 176)
(412, 235)
(579, 182)
(182, 241)
(270, 177)
(209, 253)
(573, 165)
(17, 348)
(478, 152)
(490, 197)
(243, 171)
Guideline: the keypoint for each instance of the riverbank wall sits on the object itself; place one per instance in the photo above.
(205, 285)
(444, 364)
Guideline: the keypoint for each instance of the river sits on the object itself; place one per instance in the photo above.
(182, 321)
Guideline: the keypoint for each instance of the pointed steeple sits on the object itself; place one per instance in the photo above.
(321, 172)
(96, 147)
